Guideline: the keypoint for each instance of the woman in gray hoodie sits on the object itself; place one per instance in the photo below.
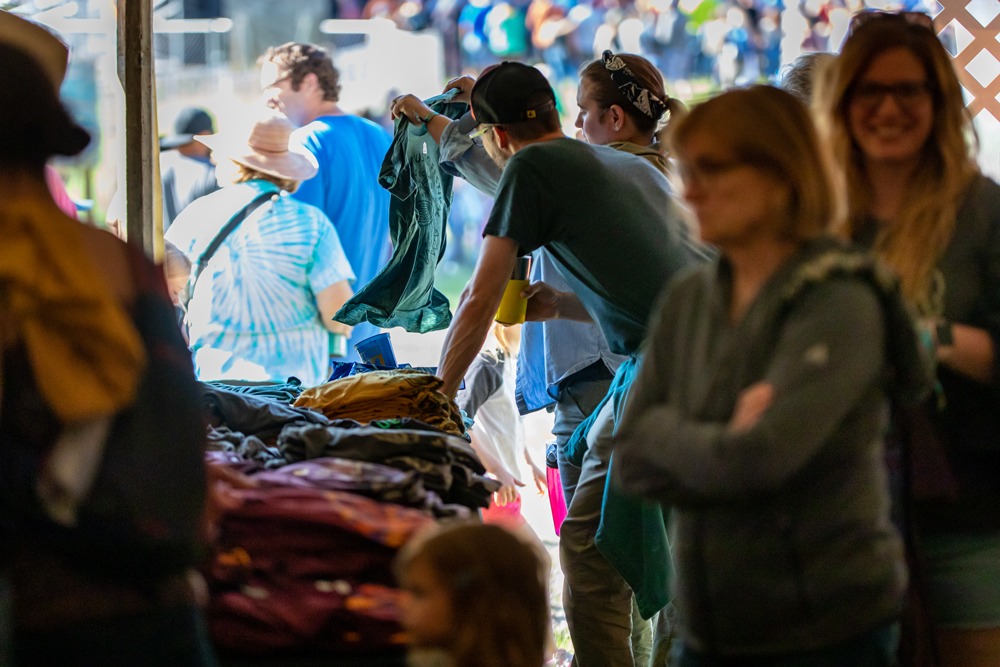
(761, 400)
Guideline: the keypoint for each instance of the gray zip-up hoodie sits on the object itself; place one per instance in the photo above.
(781, 535)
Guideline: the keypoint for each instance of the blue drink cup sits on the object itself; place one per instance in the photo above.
(377, 351)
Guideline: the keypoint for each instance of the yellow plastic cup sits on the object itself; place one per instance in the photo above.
(512, 307)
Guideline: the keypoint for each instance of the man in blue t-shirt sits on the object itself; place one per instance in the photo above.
(300, 81)
(606, 219)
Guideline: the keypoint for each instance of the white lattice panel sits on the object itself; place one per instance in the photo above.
(975, 25)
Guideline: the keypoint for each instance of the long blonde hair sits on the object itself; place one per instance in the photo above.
(915, 241)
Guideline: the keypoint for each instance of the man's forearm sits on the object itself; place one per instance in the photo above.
(475, 310)
(463, 341)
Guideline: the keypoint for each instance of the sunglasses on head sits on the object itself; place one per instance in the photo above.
(875, 16)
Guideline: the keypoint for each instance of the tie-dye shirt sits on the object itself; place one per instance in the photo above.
(253, 315)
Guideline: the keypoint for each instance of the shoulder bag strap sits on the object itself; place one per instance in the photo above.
(228, 229)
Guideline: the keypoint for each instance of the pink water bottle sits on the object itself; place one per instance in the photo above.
(557, 501)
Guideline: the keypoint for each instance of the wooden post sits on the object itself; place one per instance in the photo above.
(135, 70)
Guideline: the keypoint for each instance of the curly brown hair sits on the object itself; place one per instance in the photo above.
(299, 59)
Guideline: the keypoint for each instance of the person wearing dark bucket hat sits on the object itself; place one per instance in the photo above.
(102, 509)
(186, 169)
(607, 219)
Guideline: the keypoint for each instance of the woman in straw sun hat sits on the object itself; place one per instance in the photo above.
(261, 307)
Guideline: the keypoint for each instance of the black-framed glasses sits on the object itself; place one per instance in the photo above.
(906, 94)
(874, 16)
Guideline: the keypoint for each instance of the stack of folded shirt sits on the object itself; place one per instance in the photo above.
(446, 463)
(391, 394)
(307, 570)
(366, 479)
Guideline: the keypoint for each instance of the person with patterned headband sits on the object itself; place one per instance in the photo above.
(623, 104)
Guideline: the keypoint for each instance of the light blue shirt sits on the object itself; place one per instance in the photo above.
(253, 314)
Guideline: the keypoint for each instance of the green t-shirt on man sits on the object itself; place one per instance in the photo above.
(608, 219)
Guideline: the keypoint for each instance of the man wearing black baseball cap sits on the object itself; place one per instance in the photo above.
(607, 219)
(511, 93)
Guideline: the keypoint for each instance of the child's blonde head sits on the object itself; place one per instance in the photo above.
(495, 585)
(508, 338)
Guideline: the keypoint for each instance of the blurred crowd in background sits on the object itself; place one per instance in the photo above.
(727, 41)
(206, 55)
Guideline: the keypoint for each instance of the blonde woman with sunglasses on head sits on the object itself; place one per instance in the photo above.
(891, 106)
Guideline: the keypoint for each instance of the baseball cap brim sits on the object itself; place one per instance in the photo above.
(175, 141)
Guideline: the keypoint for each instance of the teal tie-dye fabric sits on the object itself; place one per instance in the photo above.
(253, 314)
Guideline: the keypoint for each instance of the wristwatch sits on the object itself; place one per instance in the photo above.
(944, 333)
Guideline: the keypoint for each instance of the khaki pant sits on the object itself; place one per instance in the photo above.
(603, 619)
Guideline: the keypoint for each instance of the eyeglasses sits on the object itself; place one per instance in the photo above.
(874, 16)
(274, 84)
(906, 94)
(706, 170)
(477, 135)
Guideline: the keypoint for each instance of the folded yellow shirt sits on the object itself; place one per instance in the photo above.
(393, 394)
